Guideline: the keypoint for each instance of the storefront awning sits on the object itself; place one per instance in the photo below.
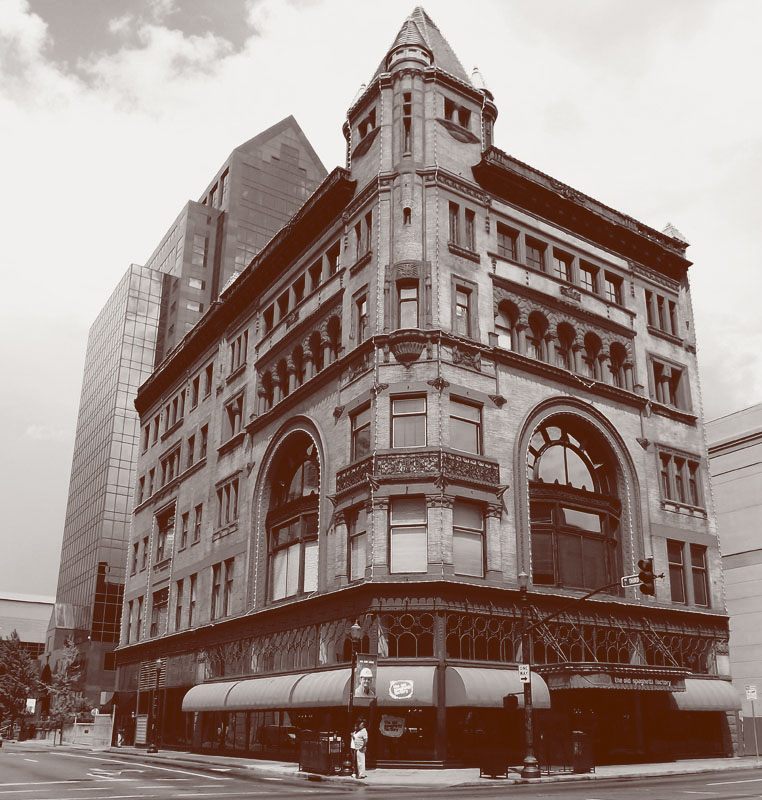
(483, 687)
(254, 694)
(321, 689)
(207, 696)
(707, 695)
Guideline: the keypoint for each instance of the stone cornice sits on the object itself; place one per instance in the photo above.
(523, 185)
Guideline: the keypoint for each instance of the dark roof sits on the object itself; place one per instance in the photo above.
(420, 29)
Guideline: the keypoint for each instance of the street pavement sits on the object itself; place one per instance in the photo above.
(38, 771)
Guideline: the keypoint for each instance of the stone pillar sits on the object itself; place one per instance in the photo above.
(309, 364)
(327, 353)
(576, 359)
(341, 544)
(291, 372)
(628, 379)
(550, 349)
(653, 311)
(277, 393)
(494, 544)
(378, 519)
(439, 532)
(521, 335)
(603, 368)
(262, 399)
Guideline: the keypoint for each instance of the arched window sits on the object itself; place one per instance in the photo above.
(538, 328)
(505, 325)
(618, 355)
(592, 351)
(292, 519)
(564, 353)
(574, 508)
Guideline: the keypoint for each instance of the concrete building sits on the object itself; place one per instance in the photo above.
(28, 615)
(452, 389)
(735, 461)
(261, 184)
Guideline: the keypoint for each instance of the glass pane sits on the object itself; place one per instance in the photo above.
(279, 575)
(596, 574)
(357, 557)
(699, 587)
(578, 473)
(362, 442)
(464, 435)
(359, 521)
(468, 515)
(468, 553)
(409, 431)
(570, 560)
(674, 552)
(408, 510)
(541, 512)
(676, 583)
(361, 418)
(698, 556)
(409, 314)
(582, 520)
(465, 410)
(292, 570)
(551, 468)
(542, 557)
(409, 405)
(310, 566)
(408, 546)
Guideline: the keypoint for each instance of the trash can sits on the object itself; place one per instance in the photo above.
(493, 762)
(582, 752)
(319, 752)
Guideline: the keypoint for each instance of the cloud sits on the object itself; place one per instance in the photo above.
(45, 433)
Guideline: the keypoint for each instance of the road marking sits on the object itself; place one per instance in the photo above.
(31, 759)
(37, 783)
(146, 765)
(725, 783)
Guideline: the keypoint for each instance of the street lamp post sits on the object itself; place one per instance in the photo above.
(355, 633)
(153, 747)
(530, 768)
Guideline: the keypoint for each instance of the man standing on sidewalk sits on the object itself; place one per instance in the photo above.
(359, 744)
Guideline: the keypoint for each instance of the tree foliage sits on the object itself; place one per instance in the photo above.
(65, 695)
(18, 678)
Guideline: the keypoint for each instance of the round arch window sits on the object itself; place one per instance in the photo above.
(574, 507)
(292, 519)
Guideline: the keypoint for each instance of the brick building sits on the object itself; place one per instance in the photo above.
(447, 374)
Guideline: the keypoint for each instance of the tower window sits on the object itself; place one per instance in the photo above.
(407, 122)
(408, 305)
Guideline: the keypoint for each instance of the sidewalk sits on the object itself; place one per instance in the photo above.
(424, 777)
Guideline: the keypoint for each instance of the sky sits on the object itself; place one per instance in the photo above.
(114, 113)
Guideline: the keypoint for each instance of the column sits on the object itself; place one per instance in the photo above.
(628, 380)
(494, 544)
(577, 359)
(291, 372)
(309, 364)
(378, 514)
(277, 392)
(439, 532)
(340, 542)
(603, 368)
(327, 354)
(521, 334)
(550, 349)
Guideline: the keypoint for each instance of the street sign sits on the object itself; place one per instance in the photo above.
(751, 692)
(630, 580)
(524, 673)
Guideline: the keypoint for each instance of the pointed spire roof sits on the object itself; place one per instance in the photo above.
(419, 29)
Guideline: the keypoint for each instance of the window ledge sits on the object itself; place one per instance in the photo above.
(226, 530)
(683, 508)
(231, 443)
(239, 370)
(673, 413)
(670, 337)
(160, 566)
(361, 262)
(167, 433)
(463, 252)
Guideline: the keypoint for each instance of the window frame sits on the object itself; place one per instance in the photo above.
(398, 415)
(477, 425)
(233, 416)
(680, 480)
(357, 529)
(506, 233)
(466, 531)
(356, 430)
(396, 530)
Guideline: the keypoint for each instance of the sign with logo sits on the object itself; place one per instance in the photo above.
(31, 704)
(365, 679)
(390, 726)
(524, 675)
(751, 692)
(401, 689)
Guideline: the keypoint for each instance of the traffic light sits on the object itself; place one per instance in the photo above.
(646, 575)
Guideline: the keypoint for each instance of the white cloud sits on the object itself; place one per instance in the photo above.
(43, 433)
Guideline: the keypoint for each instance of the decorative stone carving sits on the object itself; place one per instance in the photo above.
(439, 501)
(498, 400)
(439, 383)
(377, 388)
(407, 347)
(467, 357)
(338, 411)
(571, 293)
(643, 442)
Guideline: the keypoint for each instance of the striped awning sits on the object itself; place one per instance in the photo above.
(485, 687)
(207, 696)
(320, 689)
(707, 695)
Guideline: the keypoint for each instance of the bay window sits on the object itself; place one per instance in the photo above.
(407, 535)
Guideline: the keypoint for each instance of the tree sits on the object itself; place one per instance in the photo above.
(18, 678)
(66, 699)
